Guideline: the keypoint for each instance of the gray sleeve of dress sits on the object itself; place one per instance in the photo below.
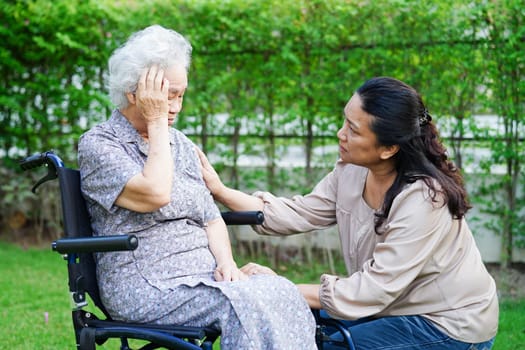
(314, 211)
(105, 168)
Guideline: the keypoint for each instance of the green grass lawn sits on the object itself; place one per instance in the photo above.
(33, 284)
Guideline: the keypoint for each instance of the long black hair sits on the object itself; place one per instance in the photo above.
(401, 118)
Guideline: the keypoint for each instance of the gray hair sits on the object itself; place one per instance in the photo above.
(154, 45)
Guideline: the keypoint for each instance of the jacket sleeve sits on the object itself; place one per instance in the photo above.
(297, 214)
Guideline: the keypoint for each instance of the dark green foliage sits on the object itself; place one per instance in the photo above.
(282, 71)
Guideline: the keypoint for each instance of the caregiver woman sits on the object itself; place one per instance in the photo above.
(415, 279)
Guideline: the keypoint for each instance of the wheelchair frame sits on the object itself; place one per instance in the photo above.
(77, 248)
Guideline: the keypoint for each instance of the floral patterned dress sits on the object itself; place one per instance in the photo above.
(168, 279)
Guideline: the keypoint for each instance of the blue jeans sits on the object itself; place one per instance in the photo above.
(397, 332)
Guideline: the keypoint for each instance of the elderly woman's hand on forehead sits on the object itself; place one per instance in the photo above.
(152, 94)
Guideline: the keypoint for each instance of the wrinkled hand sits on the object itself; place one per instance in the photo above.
(229, 272)
(152, 94)
(211, 178)
(256, 269)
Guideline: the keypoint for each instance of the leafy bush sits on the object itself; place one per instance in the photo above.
(279, 70)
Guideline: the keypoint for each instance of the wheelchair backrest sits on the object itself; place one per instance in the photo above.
(74, 211)
(77, 224)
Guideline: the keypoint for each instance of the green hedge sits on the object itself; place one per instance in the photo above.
(281, 70)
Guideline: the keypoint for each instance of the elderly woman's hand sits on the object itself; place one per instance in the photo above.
(152, 94)
(229, 272)
(256, 269)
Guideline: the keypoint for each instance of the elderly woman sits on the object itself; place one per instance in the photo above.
(141, 176)
(415, 276)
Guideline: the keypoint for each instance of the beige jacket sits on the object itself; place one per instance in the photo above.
(425, 263)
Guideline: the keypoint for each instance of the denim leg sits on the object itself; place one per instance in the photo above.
(401, 333)
(483, 346)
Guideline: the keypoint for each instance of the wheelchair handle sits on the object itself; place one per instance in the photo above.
(243, 217)
(95, 244)
(48, 159)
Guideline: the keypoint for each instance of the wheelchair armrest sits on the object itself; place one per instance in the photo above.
(243, 217)
(130, 242)
(95, 244)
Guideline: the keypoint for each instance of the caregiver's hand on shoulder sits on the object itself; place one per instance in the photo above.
(210, 176)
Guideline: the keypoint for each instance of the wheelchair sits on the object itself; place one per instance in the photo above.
(77, 248)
